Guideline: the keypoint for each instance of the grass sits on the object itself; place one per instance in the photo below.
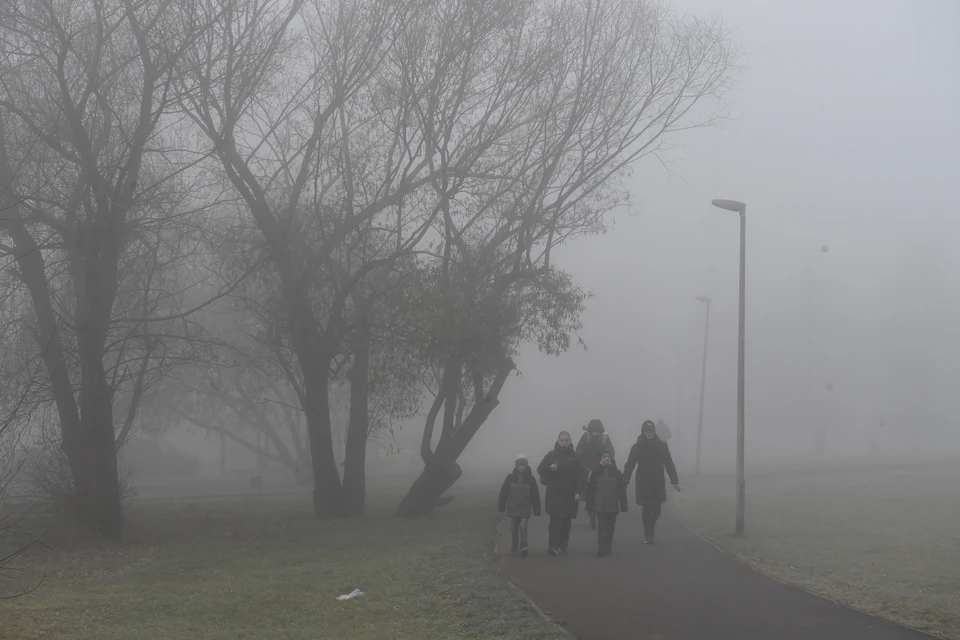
(884, 539)
(263, 568)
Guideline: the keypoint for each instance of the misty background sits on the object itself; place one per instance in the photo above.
(843, 132)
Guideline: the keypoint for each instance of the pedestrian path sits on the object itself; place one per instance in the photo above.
(680, 588)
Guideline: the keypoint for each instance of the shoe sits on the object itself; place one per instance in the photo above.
(563, 551)
(523, 552)
(513, 551)
(648, 541)
(602, 553)
(553, 551)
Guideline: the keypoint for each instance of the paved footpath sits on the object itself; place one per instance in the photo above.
(680, 588)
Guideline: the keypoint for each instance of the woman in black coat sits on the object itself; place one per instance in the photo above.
(651, 456)
(565, 478)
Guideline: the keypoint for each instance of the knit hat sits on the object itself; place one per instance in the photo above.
(648, 426)
(595, 426)
(521, 459)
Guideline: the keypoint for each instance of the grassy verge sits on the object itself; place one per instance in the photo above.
(263, 568)
(882, 539)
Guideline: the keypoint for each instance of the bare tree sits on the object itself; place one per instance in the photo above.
(613, 80)
(96, 197)
(319, 132)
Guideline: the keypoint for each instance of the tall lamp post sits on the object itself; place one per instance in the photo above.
(741, 208)
(703, 380)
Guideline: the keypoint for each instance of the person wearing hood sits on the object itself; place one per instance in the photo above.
(519, 497)
(650, 456)
(564, 476)
(606, 497)
(593, 444)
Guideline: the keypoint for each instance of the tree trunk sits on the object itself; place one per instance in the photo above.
(97, 479)
(223, 455)
(358, 430)
(441, 470)
(327, 490)
(436, 478)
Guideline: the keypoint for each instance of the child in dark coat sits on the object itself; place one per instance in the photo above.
(607, 497)
(519, 497)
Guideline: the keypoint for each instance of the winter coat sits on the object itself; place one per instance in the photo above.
(590, 449)
(520, 495)
(651, 457)
(607, 490)
(564, 484)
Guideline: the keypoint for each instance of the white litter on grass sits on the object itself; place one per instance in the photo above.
(356, 593)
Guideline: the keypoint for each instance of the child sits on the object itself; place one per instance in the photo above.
(607, 496)
(519, 496)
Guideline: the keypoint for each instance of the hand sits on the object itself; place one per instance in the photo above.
(677, 487)
(554, 466)
(576, 498)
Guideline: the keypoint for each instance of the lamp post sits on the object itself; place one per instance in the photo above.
(741, 208)
(703, 380)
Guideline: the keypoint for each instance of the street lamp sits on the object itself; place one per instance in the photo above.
(703, 380)
(741, 208)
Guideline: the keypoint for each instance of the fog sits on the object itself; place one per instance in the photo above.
(292, 308)
(843, 132)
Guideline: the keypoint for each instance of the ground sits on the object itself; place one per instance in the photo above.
(882, 538)
(681, 588)
(261, 567)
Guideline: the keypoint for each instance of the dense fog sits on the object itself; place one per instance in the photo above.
(842, 134)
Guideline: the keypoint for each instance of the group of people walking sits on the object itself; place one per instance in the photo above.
(588, 473)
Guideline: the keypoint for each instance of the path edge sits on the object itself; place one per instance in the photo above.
(710, 541)
(523, 594)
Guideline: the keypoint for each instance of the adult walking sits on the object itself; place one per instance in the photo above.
(565, 478)
(651, 457)
(593, 444)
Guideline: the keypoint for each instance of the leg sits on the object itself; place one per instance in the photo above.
(602, 534)
(611, 526)
(593, 519)
(554, 535)
(523, 535)
(514, 533)
(565, 524)
(654, 516)
(647, 526)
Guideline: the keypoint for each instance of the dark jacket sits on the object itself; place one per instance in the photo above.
(590, 448)
(607, 490)
(520, 495)
(565, 483)
(651, 457)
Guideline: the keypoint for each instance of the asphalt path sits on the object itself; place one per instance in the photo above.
(680, 588)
